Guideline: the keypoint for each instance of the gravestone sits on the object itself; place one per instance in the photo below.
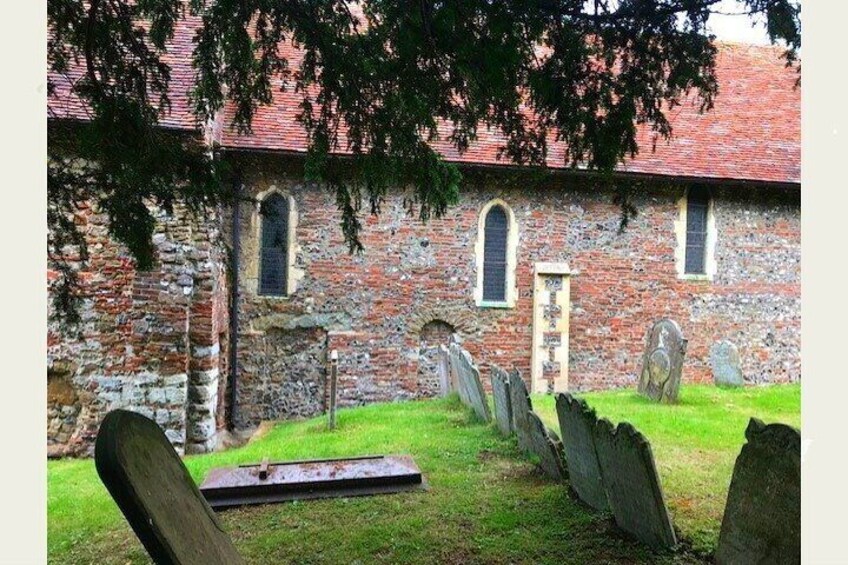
(576, 424)
(455, 357)
(443, 370)
(452, 376)
(724, 362)
(502, 401)
(632, 484)
(662, 363)
(521, 408)
(547, 446)
(153, 489)
(762, 518)
(469, 378)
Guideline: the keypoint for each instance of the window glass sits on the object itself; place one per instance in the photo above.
(274, 250)
(697, 206)
(494, 255)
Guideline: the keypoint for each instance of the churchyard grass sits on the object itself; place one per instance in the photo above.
(486, 503)
(695, 442)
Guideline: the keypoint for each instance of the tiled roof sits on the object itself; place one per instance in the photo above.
(752, 133)
(66, 105)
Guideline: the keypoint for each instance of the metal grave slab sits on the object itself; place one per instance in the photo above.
(269, 482)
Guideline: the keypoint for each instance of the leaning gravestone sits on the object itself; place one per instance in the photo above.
(662, 363)
(547, 447)
(762, 519)
(724, 362)
(455, 358)
(152, 487)
(502, 401)
(443, 369)
(632, 484)
(521, 408)
(577, 423)
(469, 378)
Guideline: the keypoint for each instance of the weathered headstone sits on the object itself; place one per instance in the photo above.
(662, 364)
(762, 519)
(452, 376)
(152, 487)
(577, 423)
(469, 378)
(455, 357)
(547, 446)
(724, 362)
(443, 369)
(502, 400)
(632, 484)
(521, 408)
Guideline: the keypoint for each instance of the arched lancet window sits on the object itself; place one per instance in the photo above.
(495, 254)
(696, 233)
(274, 260)
(697, 209)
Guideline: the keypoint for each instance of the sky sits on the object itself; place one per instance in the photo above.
(730, 27)
(736, 28)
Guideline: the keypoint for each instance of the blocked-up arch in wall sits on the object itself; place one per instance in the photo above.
(431, 336)
(456, 315)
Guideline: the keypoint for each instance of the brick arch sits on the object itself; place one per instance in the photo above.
(457, 316)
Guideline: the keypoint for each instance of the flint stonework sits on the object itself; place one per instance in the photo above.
(724, 362)
(469, 377)
(502, 400)
(762, 518)
(157, 495)
(547, 446)
(632, 484)
(577, 423)
(143, 323)
(662, 363)
(521, 408)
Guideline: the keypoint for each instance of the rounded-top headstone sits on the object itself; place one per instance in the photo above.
(662, 362)
(725, 365)
(158, 497)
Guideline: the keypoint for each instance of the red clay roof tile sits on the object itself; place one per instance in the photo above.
(752, 133)
(67, 105)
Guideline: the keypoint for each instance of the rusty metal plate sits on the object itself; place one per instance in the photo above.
(268, 482)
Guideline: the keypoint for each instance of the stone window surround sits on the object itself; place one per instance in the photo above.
(294, 275)
(511, 256)
(710, 265)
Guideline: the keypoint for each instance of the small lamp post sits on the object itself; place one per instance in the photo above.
(334, 369)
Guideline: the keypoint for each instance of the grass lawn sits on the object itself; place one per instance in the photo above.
(486, 504)
(695, 442)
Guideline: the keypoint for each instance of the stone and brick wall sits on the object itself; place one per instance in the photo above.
(148, 341)
(373, 307)
(156, 342)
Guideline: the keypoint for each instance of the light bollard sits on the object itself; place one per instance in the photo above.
(334, 367)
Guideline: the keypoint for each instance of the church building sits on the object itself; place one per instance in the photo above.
(530, 271)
